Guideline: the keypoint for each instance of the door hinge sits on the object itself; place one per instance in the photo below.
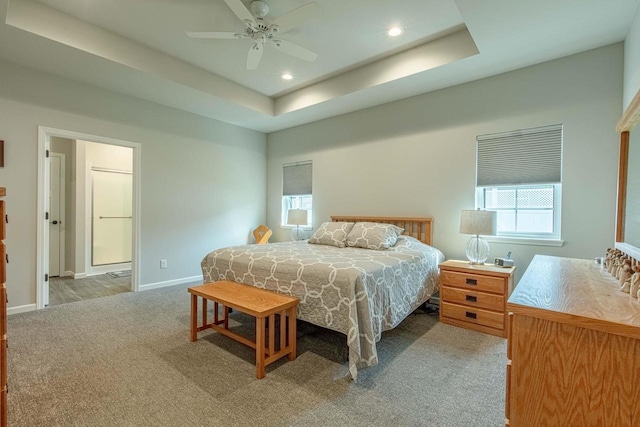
(46, 215)
(46, 277)
(47, 153)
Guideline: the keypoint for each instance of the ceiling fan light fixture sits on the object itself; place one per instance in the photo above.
(287, 76)
(395, 31)
(259, 8)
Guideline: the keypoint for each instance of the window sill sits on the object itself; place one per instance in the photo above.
(291, 227)
(524, 240)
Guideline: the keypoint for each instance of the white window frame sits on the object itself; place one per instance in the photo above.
(549, 238)
(290, 202)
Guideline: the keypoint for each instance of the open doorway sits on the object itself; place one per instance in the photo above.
(89, 199)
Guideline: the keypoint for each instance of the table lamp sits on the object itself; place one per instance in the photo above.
(478, 223)
(296, 217)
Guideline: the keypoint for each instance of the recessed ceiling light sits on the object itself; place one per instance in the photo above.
(287, 76)
(395, 31)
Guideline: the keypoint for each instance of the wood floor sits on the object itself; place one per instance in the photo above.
(65, 289)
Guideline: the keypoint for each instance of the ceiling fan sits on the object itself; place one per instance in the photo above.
(261, 31)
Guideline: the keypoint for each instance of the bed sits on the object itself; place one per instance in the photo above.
(358, 292)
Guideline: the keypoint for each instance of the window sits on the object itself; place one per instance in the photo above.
(519, 176)
(296, 189)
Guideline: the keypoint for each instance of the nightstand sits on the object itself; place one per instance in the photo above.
(475, 296)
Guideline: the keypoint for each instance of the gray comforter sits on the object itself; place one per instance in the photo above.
(359, 292)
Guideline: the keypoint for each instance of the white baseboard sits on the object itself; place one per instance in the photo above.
(21, 309)
(158, 285)
(79, 275)
(68, 273)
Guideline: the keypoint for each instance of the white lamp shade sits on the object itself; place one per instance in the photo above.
(479, 222)
(297, 217)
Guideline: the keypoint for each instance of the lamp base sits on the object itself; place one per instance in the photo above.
(297, 234)
(477, 250)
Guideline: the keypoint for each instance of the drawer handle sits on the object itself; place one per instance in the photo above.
(472, 281)
(471, 315)
(472, 298)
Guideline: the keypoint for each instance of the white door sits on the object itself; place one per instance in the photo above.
(55, 218)
(111, 217)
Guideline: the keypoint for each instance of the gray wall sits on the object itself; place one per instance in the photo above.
(416, 157)
(202, 180)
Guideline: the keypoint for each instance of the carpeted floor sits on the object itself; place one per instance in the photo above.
(126, 360)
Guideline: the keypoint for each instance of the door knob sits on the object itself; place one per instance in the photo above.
(54, 222)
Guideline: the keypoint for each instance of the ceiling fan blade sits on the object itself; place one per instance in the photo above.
(240, 11)
(292, 19)
(216, 35)
(296, 50)
(254, 56)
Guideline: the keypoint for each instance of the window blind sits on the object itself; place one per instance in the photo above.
(528, 156)
(296, 179)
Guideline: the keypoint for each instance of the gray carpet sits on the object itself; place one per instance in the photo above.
(126, 360)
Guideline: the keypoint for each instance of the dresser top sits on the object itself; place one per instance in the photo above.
(466, 267)
(576, 292)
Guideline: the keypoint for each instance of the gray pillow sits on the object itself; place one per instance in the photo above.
(371, 235)
(332, 233)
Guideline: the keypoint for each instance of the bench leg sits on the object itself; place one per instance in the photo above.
(260, 347)
(292, 333)
(272, 335)
(283, 329)
(204, 311)
(194, 317)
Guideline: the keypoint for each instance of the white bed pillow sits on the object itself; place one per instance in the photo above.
(332, 234)
(372, 235)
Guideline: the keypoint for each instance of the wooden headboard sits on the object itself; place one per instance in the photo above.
(420, 228)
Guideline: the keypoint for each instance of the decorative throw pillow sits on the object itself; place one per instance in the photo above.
(371, 235)
(332, 233)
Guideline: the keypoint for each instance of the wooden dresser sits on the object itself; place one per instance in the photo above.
(3, 315)
(475, 296)
(573, 348)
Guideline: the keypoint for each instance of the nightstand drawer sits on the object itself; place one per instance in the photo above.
(472, 298)
(473, 282)
(478, 316)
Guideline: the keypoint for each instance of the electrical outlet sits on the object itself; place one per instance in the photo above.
(163, 263)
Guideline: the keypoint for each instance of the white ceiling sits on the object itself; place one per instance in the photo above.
(139, 47)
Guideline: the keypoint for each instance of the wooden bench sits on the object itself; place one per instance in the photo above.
(256, 302)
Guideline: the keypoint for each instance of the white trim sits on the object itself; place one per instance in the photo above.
(173, 282)
(524, 241)
(44, 138)
(21, 309)
(632, 251)
(68, 273)
(79, 275)
(42, 232)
